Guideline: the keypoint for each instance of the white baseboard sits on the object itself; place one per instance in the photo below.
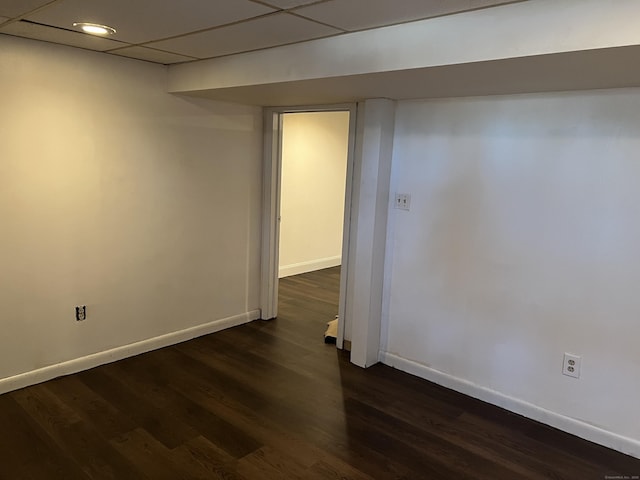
(90, 361)
(570, 425)
(310, 266)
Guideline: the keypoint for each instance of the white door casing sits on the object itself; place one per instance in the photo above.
(367, 199)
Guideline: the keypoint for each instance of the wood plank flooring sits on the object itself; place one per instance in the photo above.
(269, 400)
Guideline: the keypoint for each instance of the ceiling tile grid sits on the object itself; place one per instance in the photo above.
(167, 32)
(142, 21)
(16, 8)
(151, 55)
(57, 35)
(286, 4)
(354, 15)
(270, 31)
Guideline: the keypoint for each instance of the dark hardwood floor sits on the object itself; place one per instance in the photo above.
(269, 400)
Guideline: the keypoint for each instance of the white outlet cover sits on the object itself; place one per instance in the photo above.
(571, 365)
(402, 201)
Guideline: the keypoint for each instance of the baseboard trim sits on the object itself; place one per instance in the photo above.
(90, 361)
(570, 425)
(310, 266)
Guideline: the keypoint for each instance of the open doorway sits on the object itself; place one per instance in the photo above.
(313, 173)
(307, 199)
(315, 147)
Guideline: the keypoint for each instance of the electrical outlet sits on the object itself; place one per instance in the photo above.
(81, 313)
(571, 365)
(403, 201)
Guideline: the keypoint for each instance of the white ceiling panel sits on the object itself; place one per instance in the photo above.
(139, 21)
(278, 29)
(15, 8)
(289, 3)
(56, 35)
(177, 31)
(361, 14)
(151, 55)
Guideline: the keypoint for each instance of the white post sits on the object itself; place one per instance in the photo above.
(270, 208)
(372, 174)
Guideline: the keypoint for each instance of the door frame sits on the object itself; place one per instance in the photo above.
(271, 196)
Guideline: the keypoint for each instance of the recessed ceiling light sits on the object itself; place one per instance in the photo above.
(95, 29)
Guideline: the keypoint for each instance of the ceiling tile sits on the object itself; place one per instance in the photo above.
(151, 55)
(57, 35)
(361, 14)
(289, 3)
(15, 8)
(145, 20)
(278, 29)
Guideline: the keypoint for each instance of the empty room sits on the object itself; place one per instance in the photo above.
(157, 324)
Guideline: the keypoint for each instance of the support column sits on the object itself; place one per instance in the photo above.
(374, 148)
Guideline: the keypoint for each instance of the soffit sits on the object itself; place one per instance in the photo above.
(584, 70)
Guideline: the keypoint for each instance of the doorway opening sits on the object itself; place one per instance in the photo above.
(313, 172)
(307, 198)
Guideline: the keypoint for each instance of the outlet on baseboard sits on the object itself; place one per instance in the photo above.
(571, 365)
(81, 313)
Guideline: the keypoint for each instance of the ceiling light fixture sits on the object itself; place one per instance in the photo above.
(95, 29)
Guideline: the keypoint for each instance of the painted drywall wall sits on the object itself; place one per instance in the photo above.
(521, 244)
(314, 167)
(142, 205)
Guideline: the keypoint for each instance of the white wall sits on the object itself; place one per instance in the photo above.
(142, 205)
(314, 168)
(522, 243)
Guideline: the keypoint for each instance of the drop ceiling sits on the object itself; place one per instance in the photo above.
(170, 32)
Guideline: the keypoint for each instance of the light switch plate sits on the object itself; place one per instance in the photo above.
(403, 201)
